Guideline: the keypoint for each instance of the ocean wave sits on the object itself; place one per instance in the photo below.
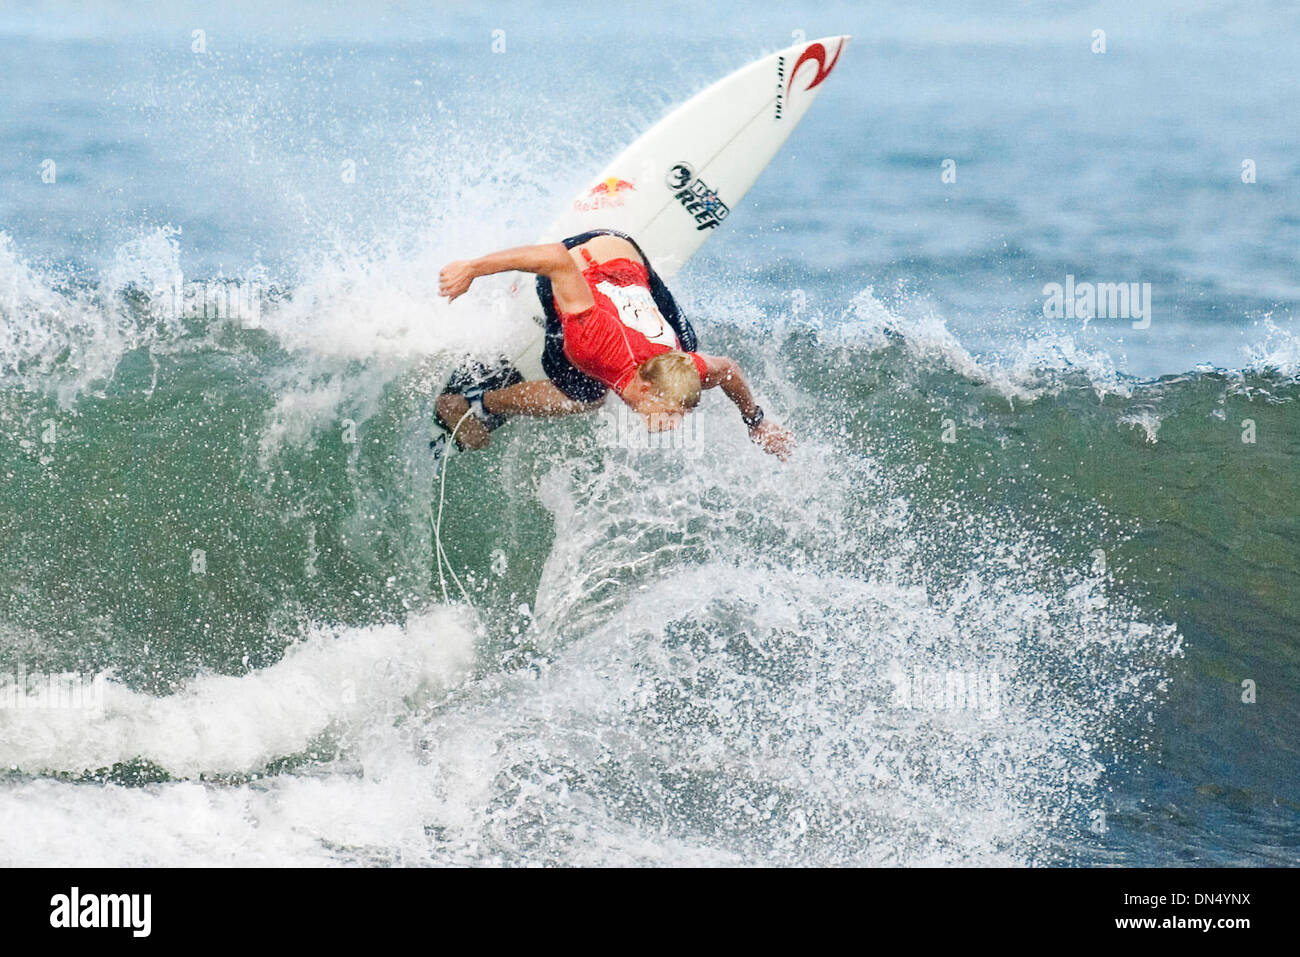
(337, 681)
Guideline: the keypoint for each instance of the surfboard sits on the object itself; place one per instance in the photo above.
(678, 183)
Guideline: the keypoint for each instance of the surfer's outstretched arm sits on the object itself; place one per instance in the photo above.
(724, 372)
(552, 260)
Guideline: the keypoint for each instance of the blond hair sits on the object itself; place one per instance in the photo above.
(674, 376)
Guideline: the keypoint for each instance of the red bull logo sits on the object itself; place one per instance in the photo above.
(607, 194)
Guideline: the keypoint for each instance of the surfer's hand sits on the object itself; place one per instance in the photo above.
(454, 280)
(773, 438)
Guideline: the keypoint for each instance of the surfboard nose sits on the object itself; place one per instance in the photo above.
(831, 43)
(817, 59)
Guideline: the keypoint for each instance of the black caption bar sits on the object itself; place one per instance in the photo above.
(134, 908)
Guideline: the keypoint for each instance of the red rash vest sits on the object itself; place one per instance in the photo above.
(623, 329)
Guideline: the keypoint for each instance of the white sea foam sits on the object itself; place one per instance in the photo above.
(1276, 351)
(64, 334)
(335, 681)
(1025, 373)
(1147, 420)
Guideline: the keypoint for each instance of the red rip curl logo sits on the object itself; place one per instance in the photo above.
(815, 53)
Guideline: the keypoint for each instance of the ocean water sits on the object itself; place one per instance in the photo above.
(1028, 593)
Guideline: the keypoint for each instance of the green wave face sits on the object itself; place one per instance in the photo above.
(965, 592)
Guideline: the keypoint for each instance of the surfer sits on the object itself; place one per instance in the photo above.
(610, 324)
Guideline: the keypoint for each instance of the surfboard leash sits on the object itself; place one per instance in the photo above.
(437, 527)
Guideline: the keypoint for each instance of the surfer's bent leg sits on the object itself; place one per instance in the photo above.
(537, 398)
(469, 431)
(567, 392)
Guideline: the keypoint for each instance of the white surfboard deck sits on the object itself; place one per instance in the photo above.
(678, 182)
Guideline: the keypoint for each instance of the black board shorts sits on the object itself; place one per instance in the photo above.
(578, 385)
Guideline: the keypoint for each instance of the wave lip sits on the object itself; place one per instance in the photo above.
(335, 681)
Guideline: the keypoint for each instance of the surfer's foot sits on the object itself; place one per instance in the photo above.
(472, 433)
